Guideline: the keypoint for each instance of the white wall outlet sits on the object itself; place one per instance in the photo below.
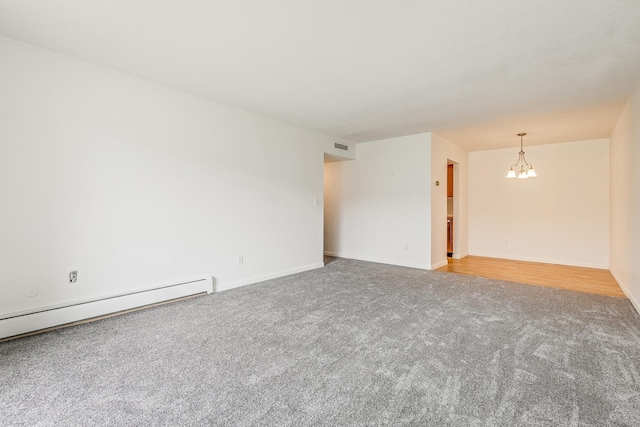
(31, 292)
(73, 276)
(240, 259)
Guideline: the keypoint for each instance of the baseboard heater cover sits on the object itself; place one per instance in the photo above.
(47, 317)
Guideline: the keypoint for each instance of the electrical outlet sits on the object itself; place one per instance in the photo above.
(73, 276)
(240, 259)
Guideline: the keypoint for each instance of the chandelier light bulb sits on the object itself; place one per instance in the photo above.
(525, 169)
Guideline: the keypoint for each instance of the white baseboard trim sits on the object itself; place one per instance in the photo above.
(46, 317)
(329, 253)
(459, 255)
(256, 279)
(439, 264)
(543, 260)
(377, 260)
(634, 302)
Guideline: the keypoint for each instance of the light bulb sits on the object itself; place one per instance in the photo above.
(531, 173)
(511, 173)
(522, 175)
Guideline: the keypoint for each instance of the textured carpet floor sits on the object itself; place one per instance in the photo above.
(352, 344)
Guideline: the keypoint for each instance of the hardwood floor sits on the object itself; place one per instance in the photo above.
(591, 280)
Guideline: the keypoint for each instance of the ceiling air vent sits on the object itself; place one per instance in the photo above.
(341, 146)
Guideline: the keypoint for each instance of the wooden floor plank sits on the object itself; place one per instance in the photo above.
(591, 280)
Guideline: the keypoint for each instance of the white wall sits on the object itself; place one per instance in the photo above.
(625, 200)
(378, 207)
(560, 217)
(441, 151)
(134, 184)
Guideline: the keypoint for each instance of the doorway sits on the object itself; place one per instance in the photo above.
(331, 225)
(450, 208)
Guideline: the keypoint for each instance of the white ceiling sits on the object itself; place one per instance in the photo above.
(475, 72)
(543, 128)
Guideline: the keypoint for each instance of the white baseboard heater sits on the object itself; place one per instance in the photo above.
(46, 317)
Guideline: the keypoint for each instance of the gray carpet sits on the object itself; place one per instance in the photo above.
(352, 344)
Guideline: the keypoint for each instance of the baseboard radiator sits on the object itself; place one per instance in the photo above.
(46, 317)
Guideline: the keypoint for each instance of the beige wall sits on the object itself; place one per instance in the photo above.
(625, 200)
(560, 217)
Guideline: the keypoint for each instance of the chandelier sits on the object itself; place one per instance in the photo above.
(521, 169)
